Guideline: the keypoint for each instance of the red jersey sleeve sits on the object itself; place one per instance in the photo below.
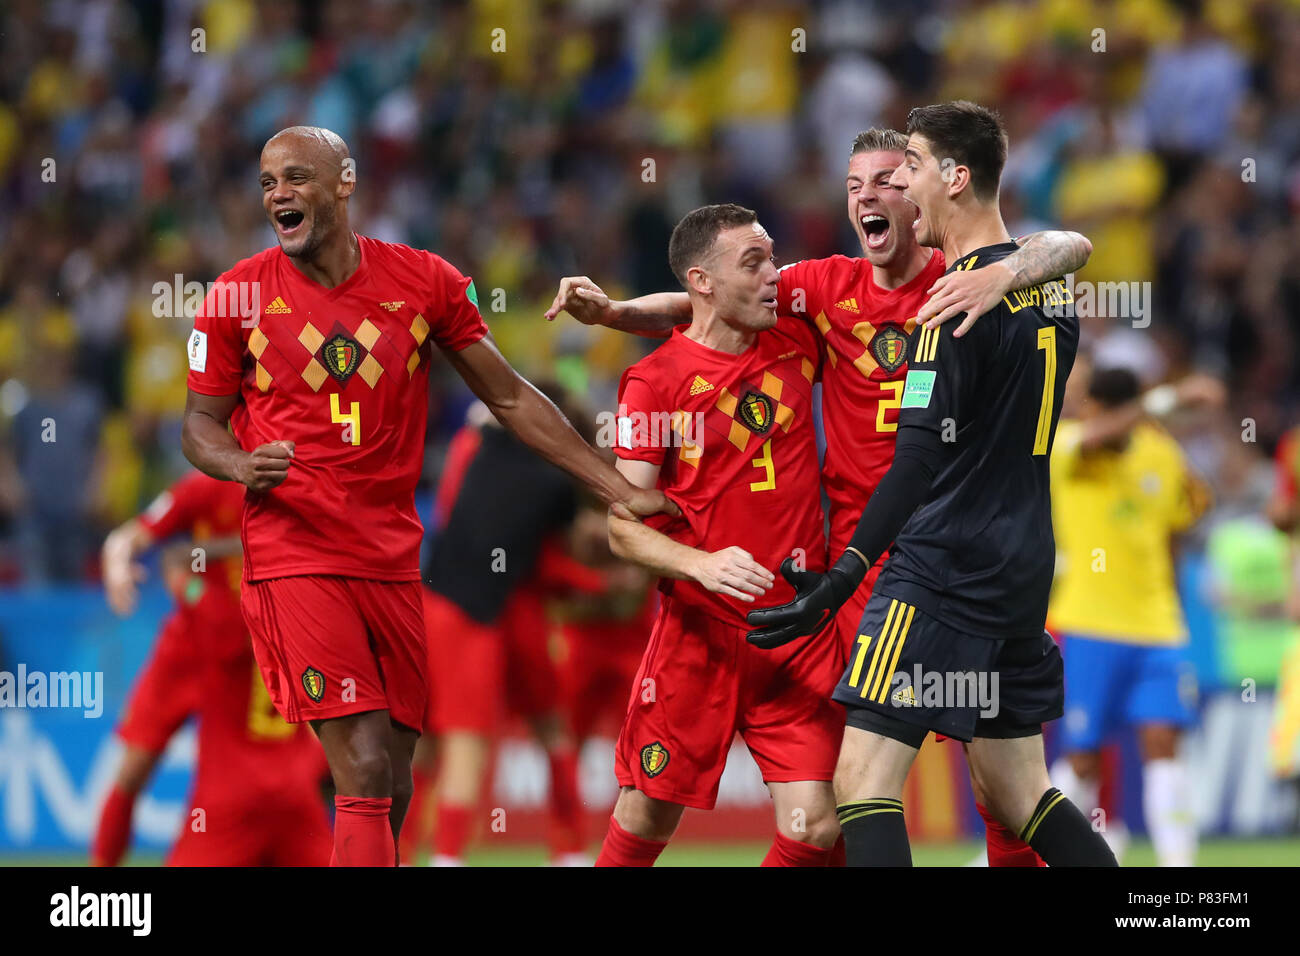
(216, 345)
(799, 288)
(460, 325)
(638, 406)
(176, 509)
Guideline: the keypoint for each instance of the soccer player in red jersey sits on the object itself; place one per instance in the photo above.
(865, 309)
(165, 694)
(254, 800)
(720, 417)
(309, 372)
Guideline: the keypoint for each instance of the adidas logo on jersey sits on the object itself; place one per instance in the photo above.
(848, 305)
(277, 307)
(700, 385)
(905, 697)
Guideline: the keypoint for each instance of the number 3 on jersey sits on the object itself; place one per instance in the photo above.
(1046, 345)
(764, 461)
(351, 422)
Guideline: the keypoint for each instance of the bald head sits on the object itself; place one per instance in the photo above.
(324, 146)
(307, 175)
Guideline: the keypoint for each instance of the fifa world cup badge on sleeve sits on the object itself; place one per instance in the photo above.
(198, 350)
(916, 394)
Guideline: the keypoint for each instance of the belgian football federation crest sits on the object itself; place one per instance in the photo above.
(342, 356)
(654, 757)
(889, 348)
(313, 682)
(756, 412)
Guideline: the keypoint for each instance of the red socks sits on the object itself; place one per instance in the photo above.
(362, 835)
(623, 849)
(787, 852)
(114, 829)
(452, 833)
(566, 805)
(1005, 847)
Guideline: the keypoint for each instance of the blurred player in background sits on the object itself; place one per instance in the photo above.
(865, 309)
(322, 370)
(254, 797)
(603, 634)
(720, 417)
(165, 693)
(1284, 749)
(1122, 491)
(495, 562)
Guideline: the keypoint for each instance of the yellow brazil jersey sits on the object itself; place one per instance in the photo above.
(1114, 514)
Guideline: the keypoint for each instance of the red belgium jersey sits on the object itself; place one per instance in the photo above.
(344, 374)
(202, 508)
(247, 754)
(735, 440)
(866, 329)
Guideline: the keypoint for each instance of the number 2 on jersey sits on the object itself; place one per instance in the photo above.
(885, 404)
(351, 422)
(1047, 345)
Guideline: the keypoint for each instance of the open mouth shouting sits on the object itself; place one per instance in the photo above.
(876, 229)
(289, 221)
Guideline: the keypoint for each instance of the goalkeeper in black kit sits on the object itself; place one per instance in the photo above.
(953, 638)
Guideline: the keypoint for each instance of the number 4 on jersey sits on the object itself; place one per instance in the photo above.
(351, 422)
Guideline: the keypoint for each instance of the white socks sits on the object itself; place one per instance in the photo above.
(1167, 804)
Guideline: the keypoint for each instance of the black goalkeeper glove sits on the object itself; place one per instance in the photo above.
(818, 597)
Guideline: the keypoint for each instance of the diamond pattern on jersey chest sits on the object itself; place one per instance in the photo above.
(339, 354)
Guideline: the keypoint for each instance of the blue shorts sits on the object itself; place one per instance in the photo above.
(1110, 685)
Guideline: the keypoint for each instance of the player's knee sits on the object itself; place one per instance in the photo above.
(363, 774)
(646, 817)
(821, 828)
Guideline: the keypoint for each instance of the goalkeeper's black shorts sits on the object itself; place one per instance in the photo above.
(909, 674)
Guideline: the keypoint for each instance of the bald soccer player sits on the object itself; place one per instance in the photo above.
(309, 373)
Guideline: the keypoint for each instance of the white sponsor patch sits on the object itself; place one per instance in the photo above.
(198, 349)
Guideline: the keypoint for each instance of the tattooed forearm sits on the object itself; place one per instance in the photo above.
(1047, 255)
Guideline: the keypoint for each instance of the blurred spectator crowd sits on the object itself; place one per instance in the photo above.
(524, 141)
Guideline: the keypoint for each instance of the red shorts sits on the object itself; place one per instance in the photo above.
(166, 691)
(700, 683)
(466, 662)
(268, 834)
(332, 646)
